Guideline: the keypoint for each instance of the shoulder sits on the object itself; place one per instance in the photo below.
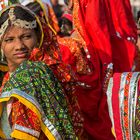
(32, 69)
(33, 65)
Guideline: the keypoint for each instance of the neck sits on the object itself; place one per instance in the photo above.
(12, 67)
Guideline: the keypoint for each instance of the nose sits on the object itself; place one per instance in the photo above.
(19, 45)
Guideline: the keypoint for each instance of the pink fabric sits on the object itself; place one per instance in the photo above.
(67, 16)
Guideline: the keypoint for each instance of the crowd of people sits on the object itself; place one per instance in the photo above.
(69, 72)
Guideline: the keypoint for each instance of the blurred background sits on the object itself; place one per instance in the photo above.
(135, 6)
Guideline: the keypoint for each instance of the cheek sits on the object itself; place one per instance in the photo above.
(7, 50)
(31, 44)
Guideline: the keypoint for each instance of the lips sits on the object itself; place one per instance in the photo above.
(21, 54)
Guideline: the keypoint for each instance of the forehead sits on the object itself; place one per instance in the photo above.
(15, 30)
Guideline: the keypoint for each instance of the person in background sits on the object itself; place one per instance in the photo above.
(123, 98)
(66, 28)
(32, 102)
(58, 10)
(104, 32)
(50, 53)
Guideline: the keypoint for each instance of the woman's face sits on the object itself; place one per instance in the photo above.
(17, 45)
(66, 27)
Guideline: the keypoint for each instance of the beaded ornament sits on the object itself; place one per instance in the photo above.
(16, 22)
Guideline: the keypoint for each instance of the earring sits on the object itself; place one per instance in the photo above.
(2, 55)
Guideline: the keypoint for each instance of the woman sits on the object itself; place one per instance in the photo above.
(32, 102)
(49, 13)
(123, 100)
(66, 25)
(51, 55)
(104, 33)
(84, 59)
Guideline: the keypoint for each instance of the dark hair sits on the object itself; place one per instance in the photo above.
(35, 7)
(66, 2)
(21, 13)
(66, 21)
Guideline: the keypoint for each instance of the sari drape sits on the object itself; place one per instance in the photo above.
(39, 104)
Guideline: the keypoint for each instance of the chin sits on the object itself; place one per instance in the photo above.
(20, 61)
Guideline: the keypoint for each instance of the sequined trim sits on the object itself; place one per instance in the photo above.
(128, 99)
(121, 99)
(52, 129)
(132, 101)
(128, 96)
(26, 130)
(109, 100)
(125, 116)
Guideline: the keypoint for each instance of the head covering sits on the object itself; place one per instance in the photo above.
(12, 19)
(49, 51)
(67, 16)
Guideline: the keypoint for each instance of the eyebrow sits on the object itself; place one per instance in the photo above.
(11, 36)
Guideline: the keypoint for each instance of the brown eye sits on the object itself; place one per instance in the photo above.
(26, 37)
(8, 40)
